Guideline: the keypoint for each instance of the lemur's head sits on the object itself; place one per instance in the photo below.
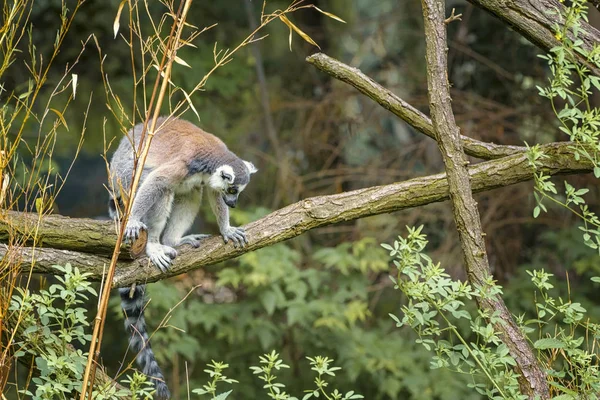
(231, 179)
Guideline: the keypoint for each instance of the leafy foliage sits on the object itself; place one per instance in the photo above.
(53, 321)
(329, 307)
(566, 338)
(435, 299)
(571, 84)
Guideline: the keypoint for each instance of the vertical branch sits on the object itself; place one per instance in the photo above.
(466, 216)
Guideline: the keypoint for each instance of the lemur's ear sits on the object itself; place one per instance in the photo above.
(251, 168)
(226, 177)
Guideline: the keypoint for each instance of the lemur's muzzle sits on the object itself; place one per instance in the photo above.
(230, 203)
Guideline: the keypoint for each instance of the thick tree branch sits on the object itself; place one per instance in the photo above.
(81, 234)
(532, 378)
(285, 223)
(393, 103)
(532, 20)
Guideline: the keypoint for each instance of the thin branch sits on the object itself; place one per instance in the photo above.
(453, 17)
(393, 103)
(290, 221)
(532, 378)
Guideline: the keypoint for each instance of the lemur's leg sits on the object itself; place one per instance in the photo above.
(185, 209)
(156, 220)
(221, 211)
(151, 208)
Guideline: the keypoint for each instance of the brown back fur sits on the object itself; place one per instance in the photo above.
(180, 140)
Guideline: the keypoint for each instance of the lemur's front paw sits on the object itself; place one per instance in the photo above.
(236, 235)
(133, 229)
(162, 256)
(193, 240)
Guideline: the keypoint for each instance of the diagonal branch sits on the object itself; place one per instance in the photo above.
(532, 19)
(532, 378)
(393, 103)
(283, 224)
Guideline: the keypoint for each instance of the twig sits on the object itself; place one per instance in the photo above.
(452, 17)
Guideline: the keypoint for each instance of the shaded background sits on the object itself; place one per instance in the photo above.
(326, 292)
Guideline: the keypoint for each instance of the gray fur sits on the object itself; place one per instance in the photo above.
(165, 206)
(208, 163)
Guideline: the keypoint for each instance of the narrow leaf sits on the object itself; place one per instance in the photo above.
(180, 61)
(189, 100)
(330, 15)
(60, 116)
(298, 31)
(74, 83)
(116, 23)
(287, 22)
(549, 343)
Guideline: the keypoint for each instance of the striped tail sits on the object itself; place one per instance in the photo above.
(135, 325)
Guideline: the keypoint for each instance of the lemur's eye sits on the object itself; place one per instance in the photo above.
(226, 176)
(232, 190)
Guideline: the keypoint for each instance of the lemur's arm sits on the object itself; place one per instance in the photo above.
(221, 211)
(157, 184)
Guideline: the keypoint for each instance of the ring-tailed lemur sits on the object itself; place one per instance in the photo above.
(182, 160)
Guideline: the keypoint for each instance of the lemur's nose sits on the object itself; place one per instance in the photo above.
(231, 203)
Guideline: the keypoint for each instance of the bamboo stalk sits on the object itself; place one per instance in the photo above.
(96, 341)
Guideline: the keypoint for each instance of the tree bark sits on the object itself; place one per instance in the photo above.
(532, 379)
(77, 234)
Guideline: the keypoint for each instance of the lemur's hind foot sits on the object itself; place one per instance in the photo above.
(162, 256)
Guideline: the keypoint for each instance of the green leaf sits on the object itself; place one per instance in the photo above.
(269, 301)
(223, 395)
(536, 211)
(549, 343)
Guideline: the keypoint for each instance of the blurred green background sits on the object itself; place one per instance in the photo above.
(326, 292)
